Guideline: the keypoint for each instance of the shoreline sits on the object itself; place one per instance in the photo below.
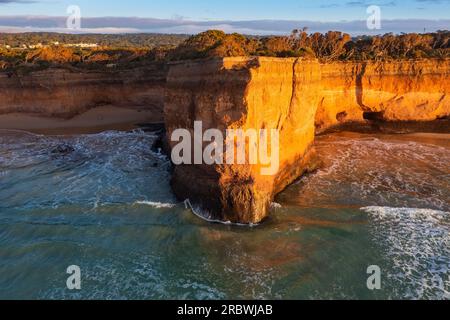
(95, 120)
(110, 117)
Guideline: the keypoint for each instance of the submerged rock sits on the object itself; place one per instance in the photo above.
(63, 149)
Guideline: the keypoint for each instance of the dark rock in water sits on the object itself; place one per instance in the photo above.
(63, 149)
(161, 144)
(441, 125)
(158, 128)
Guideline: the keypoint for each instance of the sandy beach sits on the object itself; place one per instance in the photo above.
(93, 121)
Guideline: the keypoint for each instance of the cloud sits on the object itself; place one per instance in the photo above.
(329, 5)
(355, 3)
(361, 3)
(16, 1)
(8, 29)
(367, 3)
(256, 27)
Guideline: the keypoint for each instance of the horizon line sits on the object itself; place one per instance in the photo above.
(134, 24)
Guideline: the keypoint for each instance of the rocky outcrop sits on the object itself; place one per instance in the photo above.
(296, 97)
(243, 93)
(385, 91)
(293, 96)
(65, 93)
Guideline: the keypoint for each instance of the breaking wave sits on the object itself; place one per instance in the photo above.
(104, 202)
(208, 217)
(157, 205)
(417, 244)
(89, 170)
(372, 171)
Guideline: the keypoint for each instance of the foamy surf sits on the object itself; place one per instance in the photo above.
(206, 216)
(275, 205)
(416, 243)
(383, 171)
(92, 170)
(85, 195)
(158, 205)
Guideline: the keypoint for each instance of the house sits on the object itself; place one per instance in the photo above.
(35, 46)
(82, 45)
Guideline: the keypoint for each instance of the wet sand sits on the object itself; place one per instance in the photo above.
(441, 139)
(93, 121)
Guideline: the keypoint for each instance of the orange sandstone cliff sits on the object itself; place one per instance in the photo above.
(387, 91)
(65, 93)
(294, 96)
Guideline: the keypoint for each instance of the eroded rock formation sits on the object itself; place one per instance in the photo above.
(387, 91)
(293, 96)
(65, 93)
(245, 93)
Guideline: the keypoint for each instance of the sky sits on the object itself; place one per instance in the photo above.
(247, 16)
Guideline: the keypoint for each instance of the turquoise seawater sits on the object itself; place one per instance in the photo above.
(103, 202)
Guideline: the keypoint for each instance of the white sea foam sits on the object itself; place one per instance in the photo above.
(372, 171)
(157, 205)
(206, 216)
(275, 205)
(417, 244)
(98, 169)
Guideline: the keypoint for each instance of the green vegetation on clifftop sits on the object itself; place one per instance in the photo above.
(21, 53)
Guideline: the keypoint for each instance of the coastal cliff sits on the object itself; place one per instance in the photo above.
(384, 91)
(293, 96)
(242, 93)
(58, 92)
(297, 97)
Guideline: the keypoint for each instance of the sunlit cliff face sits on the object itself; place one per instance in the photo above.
(295, 97)
(388, 91)
(292, 96)
(58, 92)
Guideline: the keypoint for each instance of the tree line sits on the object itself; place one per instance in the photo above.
(132, 40)
(331, 46)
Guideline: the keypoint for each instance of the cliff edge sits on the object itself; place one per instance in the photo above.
(292, 96)
(64, 93)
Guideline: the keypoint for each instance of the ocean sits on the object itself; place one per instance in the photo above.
(103, 202)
